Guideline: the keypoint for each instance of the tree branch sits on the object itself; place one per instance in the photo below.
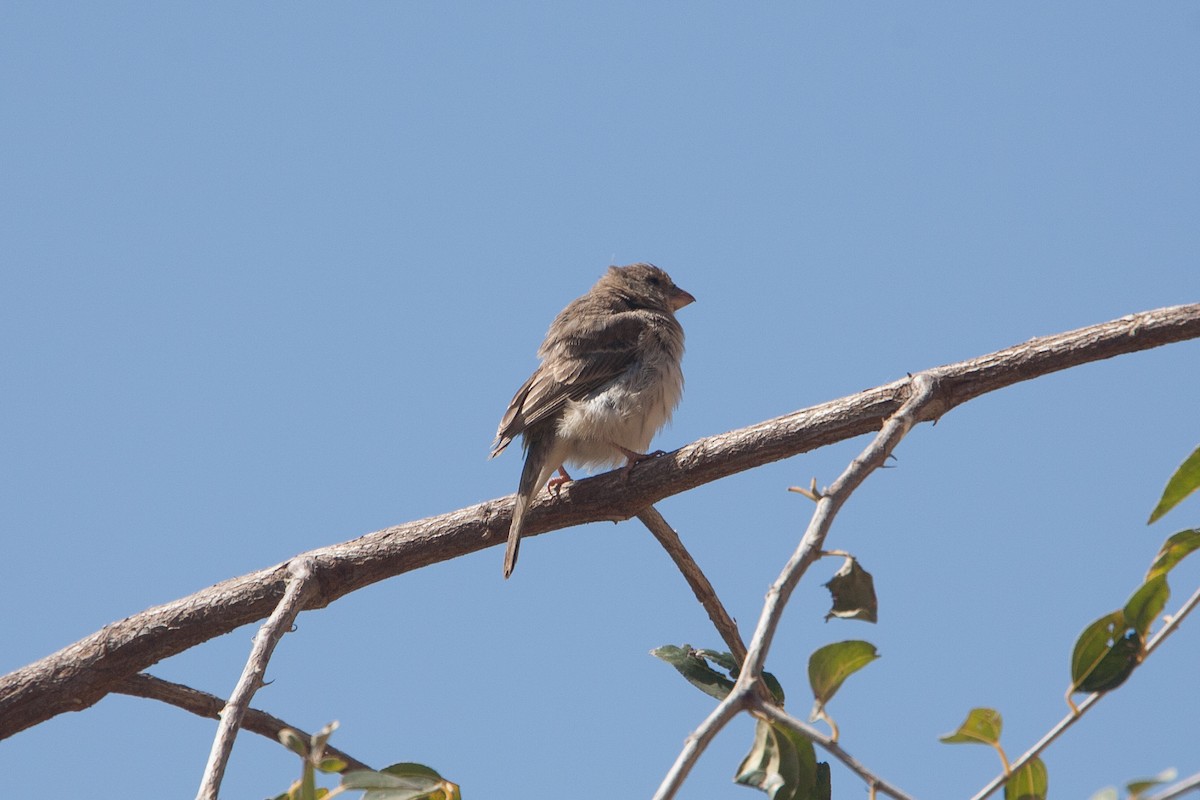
(79, 675)
(299, 589)
(209, 706)
(696, 579)
(1070, 719)
(1190, 784)
(808, 551)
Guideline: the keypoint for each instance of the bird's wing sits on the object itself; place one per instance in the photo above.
(575, 364)
(512, 423)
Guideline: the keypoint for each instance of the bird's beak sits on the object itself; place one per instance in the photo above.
(679, 298)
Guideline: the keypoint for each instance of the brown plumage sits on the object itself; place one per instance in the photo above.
(609, 379)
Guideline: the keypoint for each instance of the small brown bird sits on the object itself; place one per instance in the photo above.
(609, 379)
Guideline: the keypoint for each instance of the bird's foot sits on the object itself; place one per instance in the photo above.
(554, 485)
(635, 458)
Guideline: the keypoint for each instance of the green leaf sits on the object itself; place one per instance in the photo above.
(1138, 788)
(294, 742)
(784, 765)
(853, 591)
(824, 787)
(1028, 783)
(721, 658)
(729, 663)
(1174, 550)
(982, 726)
(1107, 793)
(403, 781)
(692, 664)
(1105, 654)
(331, 764)
(766, 767)
(695, 670)
(1185, 481)
(411, 769)
(829, 666)
(1146, 604)
(774, 687)
(369, 779)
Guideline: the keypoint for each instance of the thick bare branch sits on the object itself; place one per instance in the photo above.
(79, 675)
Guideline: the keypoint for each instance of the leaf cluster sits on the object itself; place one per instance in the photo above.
(403, 781)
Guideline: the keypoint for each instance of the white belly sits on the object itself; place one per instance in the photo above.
(627, 412)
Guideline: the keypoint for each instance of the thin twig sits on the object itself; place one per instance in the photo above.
(697, 742)
(208, 705)
(1179, 789)
(696, 579)
(921, 388)
(809, 550)
(1166, 630)
(298, 589)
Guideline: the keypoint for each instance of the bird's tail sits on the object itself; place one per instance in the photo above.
(536, 472)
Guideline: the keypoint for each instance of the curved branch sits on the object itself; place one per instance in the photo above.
(209, 706)
(696, 579)
(79, 675)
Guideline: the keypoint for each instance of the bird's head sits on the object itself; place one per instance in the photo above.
(646, 286)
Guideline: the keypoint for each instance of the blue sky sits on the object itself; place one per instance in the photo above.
(272, 272)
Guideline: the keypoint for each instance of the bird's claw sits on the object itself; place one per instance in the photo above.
(637, 458)
(554, 485)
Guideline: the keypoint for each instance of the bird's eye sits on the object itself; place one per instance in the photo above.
(655, 280)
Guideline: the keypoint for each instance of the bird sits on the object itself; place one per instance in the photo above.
(609, 378)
